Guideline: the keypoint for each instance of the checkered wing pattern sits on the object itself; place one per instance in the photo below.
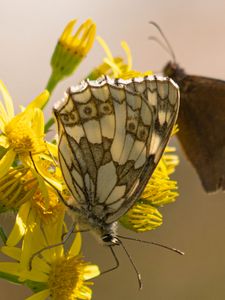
(112, 134)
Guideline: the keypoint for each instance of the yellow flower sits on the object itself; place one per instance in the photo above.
(142, 217)
(56, 274)
(23, 134)
(16, 188)
(117, 68)
(159, 191)
(42, 207)
(104, 69)
(70, 51)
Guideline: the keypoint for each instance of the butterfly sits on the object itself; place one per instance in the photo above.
(202, 125)
(201, 121)
(112, 133)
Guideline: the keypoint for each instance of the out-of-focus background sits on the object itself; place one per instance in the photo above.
(196, 222)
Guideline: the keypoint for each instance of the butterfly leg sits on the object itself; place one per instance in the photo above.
(117, 264)
(116, 261)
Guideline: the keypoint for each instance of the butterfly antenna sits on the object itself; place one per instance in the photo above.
(65, 239)
(155, 39)
(168, 46)
(153, 243)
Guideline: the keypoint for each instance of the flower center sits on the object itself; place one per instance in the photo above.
(66, 278)
(22, 138)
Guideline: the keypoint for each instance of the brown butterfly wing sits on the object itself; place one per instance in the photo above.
(202, 128)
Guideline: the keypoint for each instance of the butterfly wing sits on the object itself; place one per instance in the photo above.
(202, 128)
(162, 97)
(111, 136)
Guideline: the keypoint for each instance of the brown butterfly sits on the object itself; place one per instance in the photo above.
(201, 121)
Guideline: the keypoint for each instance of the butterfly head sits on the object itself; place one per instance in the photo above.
(174, 71)
(106, 234)
(110, 240)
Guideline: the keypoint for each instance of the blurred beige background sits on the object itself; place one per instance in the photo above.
(196, 222)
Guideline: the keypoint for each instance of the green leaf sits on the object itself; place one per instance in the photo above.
(36, 286)
(3, 235)
(10, 277)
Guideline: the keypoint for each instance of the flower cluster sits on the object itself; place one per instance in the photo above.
(31, 182)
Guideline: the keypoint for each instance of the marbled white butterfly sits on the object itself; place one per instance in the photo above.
(112, 134)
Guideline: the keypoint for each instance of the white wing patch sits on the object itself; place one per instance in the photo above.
(93, 131)
(112, 134)
(106, 180)
(120, 131)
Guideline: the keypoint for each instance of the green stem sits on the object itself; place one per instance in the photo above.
(49, 123)
(53, 81)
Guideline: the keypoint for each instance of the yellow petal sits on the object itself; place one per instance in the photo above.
(85, 293)
(38, 123)
(39, 101)
(9, 267)
(7, 100)
(12, 252)
(53, 235)
(44, 174)
(33, 275)
(19, 228)
(114, 67)
(68, 29)
(4, 118)
(39, 264)
(53, 149)
(4, 141)
(6, 162)
(105, 47)
(91, 271)
(77, 38)
(39, 296)
(128, 54)
(30, 244)
(76, 245)
(90, 38)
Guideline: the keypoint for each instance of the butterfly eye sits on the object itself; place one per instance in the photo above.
(110, 239)
(106, 238)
